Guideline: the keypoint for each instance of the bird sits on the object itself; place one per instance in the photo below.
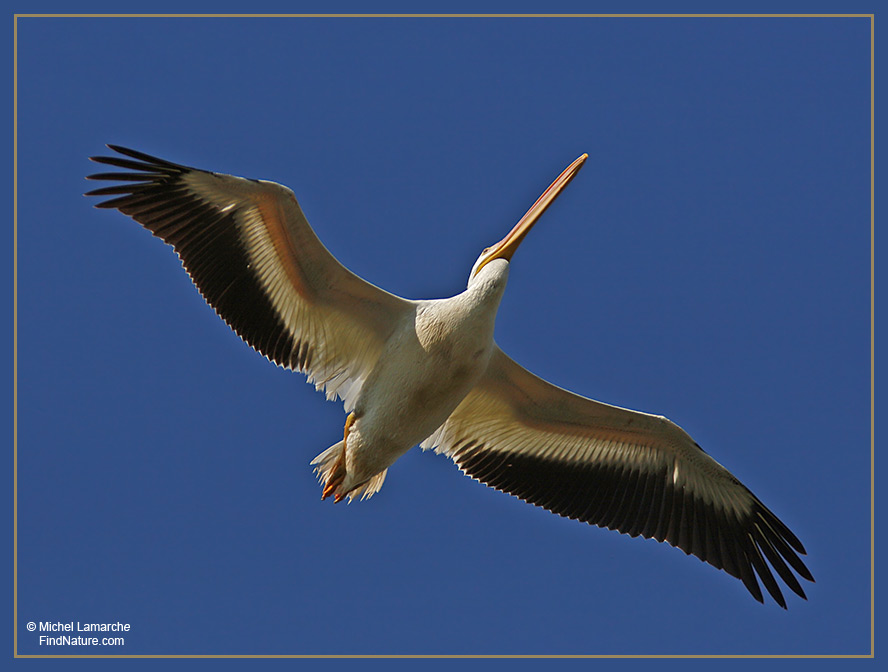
(429, 373)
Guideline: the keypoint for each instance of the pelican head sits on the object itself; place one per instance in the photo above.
(505, 248)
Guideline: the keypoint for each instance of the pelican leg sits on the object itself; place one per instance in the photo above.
(337, 474)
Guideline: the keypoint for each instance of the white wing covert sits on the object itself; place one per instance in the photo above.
(636, 473)
(253, 256)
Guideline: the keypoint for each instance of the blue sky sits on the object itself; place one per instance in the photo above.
(710, 263)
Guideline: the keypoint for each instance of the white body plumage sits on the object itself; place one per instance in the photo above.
(428, 366)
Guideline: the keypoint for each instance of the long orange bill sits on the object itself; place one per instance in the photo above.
(505, 248)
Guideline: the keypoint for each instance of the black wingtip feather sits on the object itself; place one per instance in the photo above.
(147, 158)
(122, 163)
(107, 191)
(123, 177)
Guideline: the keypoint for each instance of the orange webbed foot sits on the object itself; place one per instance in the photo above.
(338, 472)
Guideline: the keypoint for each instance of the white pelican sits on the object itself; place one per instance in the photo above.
(430, 373)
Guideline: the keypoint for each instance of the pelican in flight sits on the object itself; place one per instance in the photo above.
(429, 373)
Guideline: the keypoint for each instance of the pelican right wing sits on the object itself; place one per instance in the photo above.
(253, 256)
(636, 473)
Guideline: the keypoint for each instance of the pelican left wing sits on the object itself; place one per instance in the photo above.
(636, 473)
(253, 256)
